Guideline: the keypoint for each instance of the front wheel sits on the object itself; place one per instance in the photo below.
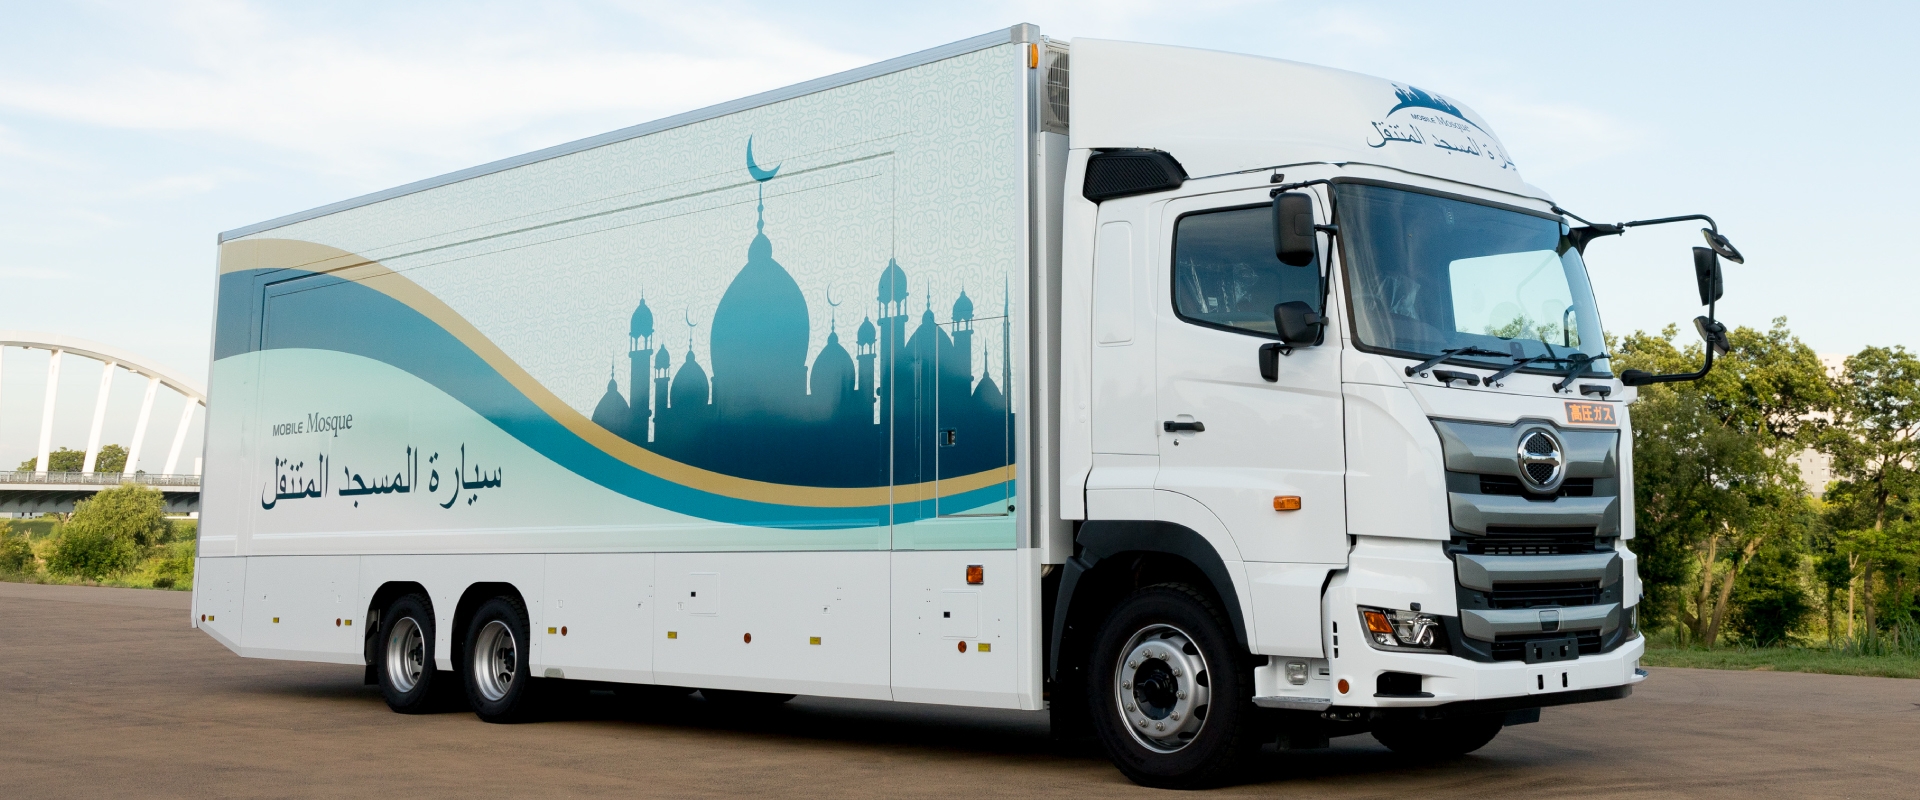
(1170, 696)
(498, 685)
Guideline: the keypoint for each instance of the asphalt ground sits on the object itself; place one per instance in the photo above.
(107, 692)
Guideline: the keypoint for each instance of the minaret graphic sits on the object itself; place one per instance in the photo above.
(639, 355)
(911, 404)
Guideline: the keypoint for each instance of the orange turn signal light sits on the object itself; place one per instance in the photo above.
(1377, 622)
(1033, 56)
(976, 574)
(1286, 502)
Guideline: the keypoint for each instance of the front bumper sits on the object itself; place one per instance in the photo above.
(1396, 574)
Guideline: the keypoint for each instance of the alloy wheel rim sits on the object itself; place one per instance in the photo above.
(1160, 688)
(406, 655)
(496, 660)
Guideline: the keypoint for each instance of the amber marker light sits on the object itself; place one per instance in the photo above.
(976, 574)
(1377, 622)
(1033, 56)
(1286, 502)
(746, 638)
(1343, 686)
(963, 647)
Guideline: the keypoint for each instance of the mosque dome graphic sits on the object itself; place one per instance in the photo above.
(905, 407)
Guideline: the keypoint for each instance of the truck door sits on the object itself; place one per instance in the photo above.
(1239, 441)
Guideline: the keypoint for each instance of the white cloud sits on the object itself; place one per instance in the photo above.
(238, 71)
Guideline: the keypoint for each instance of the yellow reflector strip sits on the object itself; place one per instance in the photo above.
(986, 648)
(276, 620)
(553, 630)
(673, 634)
(813, 640)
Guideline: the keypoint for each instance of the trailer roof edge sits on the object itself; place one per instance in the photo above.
(1023, 33)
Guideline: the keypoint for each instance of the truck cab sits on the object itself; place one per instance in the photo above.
(1342, 368)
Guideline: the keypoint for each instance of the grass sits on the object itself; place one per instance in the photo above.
(1783, 659)
(1895, 654)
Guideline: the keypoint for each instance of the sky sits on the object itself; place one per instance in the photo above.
(132, 133)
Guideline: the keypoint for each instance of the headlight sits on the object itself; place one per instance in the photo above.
(1393, 629)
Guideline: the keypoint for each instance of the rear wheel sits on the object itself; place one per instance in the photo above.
(1171, 699)
(404, 661)
(498, 686)
(1439, 738)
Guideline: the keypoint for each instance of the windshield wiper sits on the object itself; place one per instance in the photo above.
(1577, 364)
(1458, 351)
(1517, 364)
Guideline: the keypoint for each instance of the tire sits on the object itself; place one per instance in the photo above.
(1439, 738)
(1169, 694)
(498, 686)
(735, 700)
(403, 661)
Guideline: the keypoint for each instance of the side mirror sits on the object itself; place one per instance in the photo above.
(1299, 325)
(1706, 270)
(1714, 334)
(1722, 246)
(1293, 237)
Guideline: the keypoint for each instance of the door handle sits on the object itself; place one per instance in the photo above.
(1175, 427)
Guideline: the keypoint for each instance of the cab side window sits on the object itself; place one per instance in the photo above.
(1226, 276)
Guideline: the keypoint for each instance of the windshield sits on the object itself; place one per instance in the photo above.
(1431, 273)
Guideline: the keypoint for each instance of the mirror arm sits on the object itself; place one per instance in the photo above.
(1664, 220)
(1640, 377)
(1288, 187)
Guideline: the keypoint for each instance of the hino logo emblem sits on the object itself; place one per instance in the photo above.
(1542, 460)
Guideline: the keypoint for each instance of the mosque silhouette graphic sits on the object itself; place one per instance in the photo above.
(902, 409)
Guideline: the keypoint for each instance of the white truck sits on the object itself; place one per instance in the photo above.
(1202, 399)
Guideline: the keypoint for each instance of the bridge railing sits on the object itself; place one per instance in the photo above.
(96, 478)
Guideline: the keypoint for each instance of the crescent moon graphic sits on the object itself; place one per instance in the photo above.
(830, 298)
(762, 175)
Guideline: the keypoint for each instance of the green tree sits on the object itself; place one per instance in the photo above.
(112, 458)
(1874, 439)
(109, 532)
(16, 553)
(1770, 604)
(1713, 483)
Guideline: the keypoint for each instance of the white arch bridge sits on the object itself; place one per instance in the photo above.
(42, 490)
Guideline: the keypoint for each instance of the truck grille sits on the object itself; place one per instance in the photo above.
(1510, 485)
(1531, 543)
(1544, 595)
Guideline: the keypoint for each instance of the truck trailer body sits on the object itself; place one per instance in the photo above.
(1094, 439)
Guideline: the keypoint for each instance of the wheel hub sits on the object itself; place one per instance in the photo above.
(406, 655)
(1160, 688)
(496, 660)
